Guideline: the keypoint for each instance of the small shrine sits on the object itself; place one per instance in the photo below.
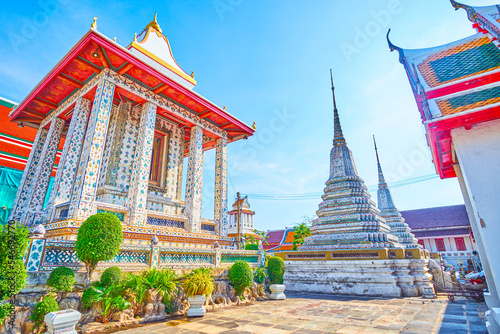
(388, 210)
(127, 119)
(246, 219)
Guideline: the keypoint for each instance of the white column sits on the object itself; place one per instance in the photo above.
(220, 197)
(139, 180)
(194, 180)
(85, 185)
(477, 153)
(43, 173)
(22, 196)
(65, 176)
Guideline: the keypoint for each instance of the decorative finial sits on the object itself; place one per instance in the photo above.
(135, 37)
(471, 13)
(393, 47)
(114, 39)
(223, 107)
(338, 136)
(94, 24)
(376, 152)
(192, 74)
(381, 179)
(254, 126)
(153, 24)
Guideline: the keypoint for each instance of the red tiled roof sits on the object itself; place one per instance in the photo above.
(439, 217)
(275, 237)
(441, 233)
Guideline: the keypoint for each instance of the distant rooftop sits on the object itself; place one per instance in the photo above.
(438, 217)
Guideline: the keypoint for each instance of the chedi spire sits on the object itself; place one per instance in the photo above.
(390, 213)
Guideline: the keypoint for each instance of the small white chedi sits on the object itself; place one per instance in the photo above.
(62, 321)
(277, 292)
(196, 308)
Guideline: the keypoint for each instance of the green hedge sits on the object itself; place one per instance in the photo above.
(111, 276)
(276, 269)
(62, 279)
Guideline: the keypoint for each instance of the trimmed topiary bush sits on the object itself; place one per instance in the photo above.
(111, 276)
(46, 305)
(276, 269)
(241, 276)
(62, 279)
(251, 247)
(99, 239)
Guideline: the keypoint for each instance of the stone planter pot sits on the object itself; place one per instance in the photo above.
(196, 308)
(277, 291)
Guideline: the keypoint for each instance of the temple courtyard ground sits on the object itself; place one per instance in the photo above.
(315, 314)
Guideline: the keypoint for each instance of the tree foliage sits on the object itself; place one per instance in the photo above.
(99, 239)
(301, 231)
(13, 243)
(44, 306)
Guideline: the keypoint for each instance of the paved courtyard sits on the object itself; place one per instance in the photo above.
(315, 314)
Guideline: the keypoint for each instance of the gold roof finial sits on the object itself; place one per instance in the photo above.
(153, 24)
(223, 107)
(94, 24)
(192, 74)
(135, 37)
(114, 39)
(254, 126)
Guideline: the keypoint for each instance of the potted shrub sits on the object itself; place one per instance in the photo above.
(276, 270)
(198, 284)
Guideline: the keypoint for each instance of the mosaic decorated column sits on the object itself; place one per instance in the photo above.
(117, 142)
(85, 185)
(21, 200)
(194, 180)
(43, 172)
(180, 167)
(220, 198)
(63, 183)
(138, 191)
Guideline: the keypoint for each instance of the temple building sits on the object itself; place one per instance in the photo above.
(125, 118)
(351, 249)
(457, 91)
(444, 230)
(388, 210)
(246, 219)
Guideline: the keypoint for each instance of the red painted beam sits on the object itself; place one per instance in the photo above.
(465, 85)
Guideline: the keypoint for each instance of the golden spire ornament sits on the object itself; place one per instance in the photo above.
(254, 126)
(135, 37)
(192, 74)
(114, 39)
(94, 24)
(153, 24)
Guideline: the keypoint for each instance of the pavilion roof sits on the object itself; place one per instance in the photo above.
(456, 84)
(80, 65)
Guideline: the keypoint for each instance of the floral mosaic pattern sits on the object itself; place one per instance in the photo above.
(165, 222)
(61, 189)
(194, 180)
(35, 255)
(220, 198)
(22, 196)
(83, 194)
(139, 180)
(185, 258)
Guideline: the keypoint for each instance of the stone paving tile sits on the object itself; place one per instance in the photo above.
(322, 314)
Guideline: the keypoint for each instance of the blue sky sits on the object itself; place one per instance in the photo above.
(268, 62)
